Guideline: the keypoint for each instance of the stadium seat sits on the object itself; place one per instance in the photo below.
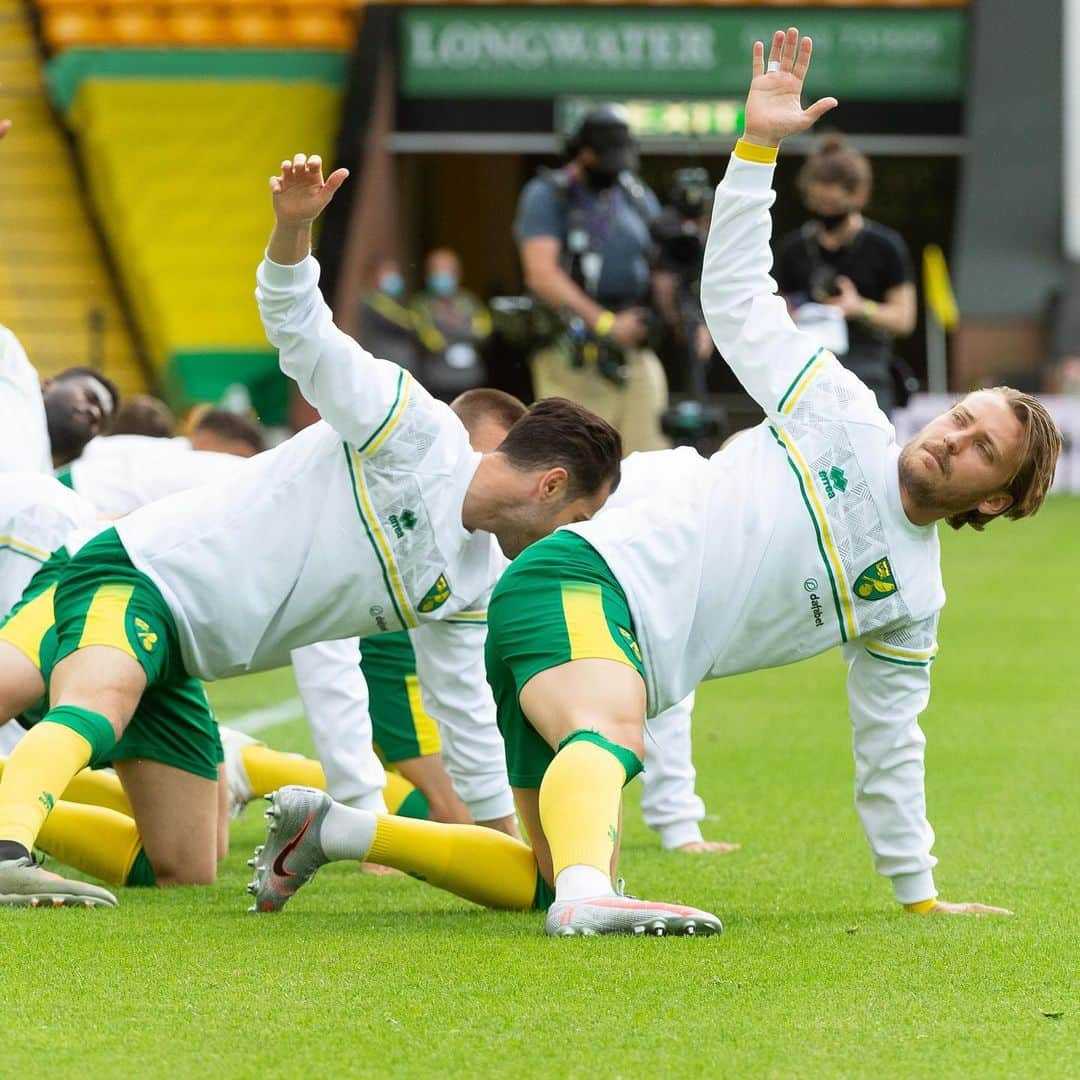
(256, 26)
(196, 24)
(137, 25)
(67, 26)
(233, 130)
(308, 26)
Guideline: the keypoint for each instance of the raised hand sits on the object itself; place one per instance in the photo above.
(300, 193)
(774, 105)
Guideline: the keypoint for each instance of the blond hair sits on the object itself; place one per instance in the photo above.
(1035, 473)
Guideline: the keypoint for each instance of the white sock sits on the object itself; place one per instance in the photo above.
(347, 833)
(582, 883)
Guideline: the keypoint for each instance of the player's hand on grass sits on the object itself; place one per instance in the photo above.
(774, 105)
(300, 193)
(708, 847)
(943, 907)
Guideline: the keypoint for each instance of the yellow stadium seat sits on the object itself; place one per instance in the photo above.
(69, 26)
(141, 25)
(196, 24)
(256, 26)
(234, 131)
(320, 28)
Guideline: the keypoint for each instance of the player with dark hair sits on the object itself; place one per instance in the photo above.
(379, 517)
(47, 423)
(812, 531)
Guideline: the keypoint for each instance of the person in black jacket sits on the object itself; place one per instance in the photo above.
(846, 272)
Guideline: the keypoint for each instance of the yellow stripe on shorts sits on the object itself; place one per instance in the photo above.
(26, 629)
(427, 730)
(587, 626)
(105, 619)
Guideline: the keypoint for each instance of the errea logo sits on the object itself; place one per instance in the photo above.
(834, 481)
(400, 522)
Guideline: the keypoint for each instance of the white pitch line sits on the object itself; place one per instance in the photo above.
(261, 719)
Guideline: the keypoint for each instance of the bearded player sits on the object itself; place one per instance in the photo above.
(604, 623)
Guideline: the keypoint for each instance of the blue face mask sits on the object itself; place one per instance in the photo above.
(442, 283)
(392, 283)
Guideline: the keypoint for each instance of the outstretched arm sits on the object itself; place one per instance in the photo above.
(888, 687)
(748, 321)
(361, 396)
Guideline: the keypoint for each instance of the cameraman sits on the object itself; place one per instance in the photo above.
(583, 235)
(679, 233)
(847, 277)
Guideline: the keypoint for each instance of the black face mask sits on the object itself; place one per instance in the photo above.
(599, 178)
(832, 222)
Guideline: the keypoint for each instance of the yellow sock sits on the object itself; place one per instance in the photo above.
(268, 770)
(94, 787)
(97, 841)
(39, 769)
(580, 798)
(482, 865)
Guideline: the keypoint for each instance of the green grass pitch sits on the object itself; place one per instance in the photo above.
(817, 974)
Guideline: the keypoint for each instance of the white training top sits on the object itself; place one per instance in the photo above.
(120, 473)
(791, 540)
(351, 527)
(37, 516)
(24, 435)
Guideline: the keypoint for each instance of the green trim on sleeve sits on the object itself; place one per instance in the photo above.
(795, 381)
(896, 660)
(386, 420)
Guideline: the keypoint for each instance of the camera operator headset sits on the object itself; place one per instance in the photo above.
(844, 269)
(583, 235)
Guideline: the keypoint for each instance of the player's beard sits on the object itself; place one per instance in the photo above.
(925, 488)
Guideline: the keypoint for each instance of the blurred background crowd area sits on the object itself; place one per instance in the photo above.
(134, 202)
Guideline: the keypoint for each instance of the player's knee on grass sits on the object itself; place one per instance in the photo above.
(178, 817)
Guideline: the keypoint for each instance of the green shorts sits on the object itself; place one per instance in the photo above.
(402, 729)
(99, 598)
(557, 602)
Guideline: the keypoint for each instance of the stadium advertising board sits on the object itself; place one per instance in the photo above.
(870, 55)
(1064, 409)
(660, 119)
